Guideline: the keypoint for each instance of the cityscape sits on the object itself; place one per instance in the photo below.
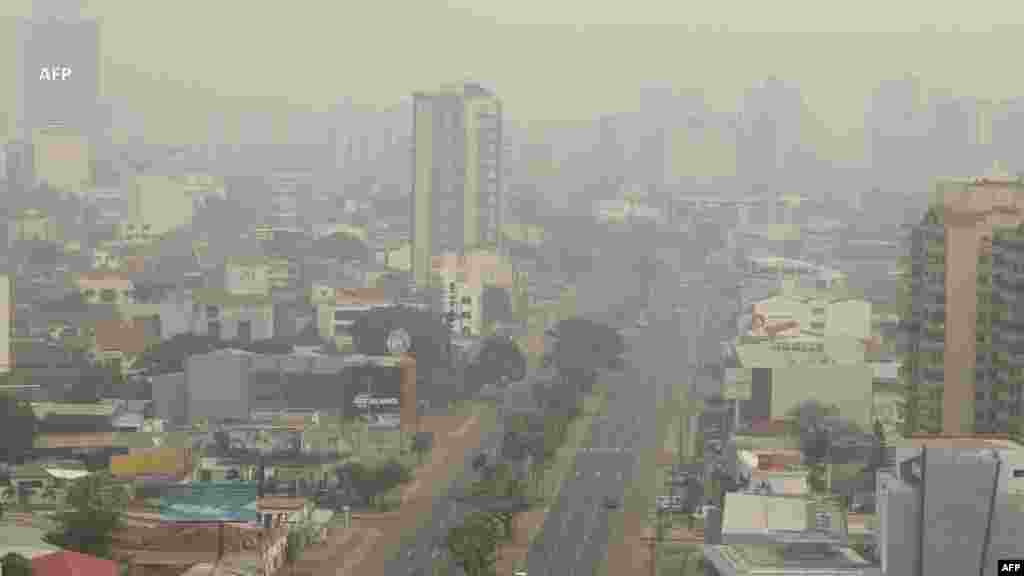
(630, 291)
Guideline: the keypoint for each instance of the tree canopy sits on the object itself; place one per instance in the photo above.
(18, 427)
(93, 513)
(14, 564)
(343, 246)
(583, 347)
(474, 545)
(500, 360)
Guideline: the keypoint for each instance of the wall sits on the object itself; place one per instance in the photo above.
(898, 509)
(169, 397)
(955, 510)
(848, 387)
(849, 318)
(217, 386)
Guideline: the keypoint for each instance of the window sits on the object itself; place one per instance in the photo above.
(108, 295)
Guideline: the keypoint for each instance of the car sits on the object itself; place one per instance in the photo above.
(611, 502)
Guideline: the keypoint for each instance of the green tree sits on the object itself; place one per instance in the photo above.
(92, 514)
(294, 545)
(16, 565)
(474, 545)
(582, 348)
(18, 427)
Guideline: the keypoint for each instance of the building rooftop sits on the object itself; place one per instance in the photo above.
(965, 442)
(750, 560)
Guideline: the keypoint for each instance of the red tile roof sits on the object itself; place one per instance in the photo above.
(67, 563)
(128, 337)
(360, 296)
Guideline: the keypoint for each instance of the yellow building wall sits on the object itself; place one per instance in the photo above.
(847, 387)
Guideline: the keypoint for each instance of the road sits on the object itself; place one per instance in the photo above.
(575, 533)
(418, 556)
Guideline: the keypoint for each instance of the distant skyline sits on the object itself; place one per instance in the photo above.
(552, 63)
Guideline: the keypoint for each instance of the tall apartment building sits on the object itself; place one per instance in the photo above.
(456, 179)
(964, 373)
(59, 69)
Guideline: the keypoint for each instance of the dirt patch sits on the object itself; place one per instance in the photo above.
(513, 553)
(630, 555)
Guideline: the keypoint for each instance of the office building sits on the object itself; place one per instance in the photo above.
(456, 191)
(950, 506)
(961, 337)
(6, 315)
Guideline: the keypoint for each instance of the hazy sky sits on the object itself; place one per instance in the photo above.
(549, 59)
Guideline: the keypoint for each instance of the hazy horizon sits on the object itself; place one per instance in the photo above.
(563, 63)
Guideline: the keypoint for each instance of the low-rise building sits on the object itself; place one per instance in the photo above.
(335, 318)
(226, 316)
(105, 287)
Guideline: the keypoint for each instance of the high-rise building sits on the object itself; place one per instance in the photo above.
(456, 179)
(59, 68)
(6, 315)
(962, 341)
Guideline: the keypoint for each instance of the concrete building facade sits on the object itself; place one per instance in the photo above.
(951, 357)
(456, 190)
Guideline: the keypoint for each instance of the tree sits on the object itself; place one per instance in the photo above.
(15, 564)
(18, 427)
(92, 514)
(431, 339)
(474, 545)
(500, 360)
(296, 541)
(169, 356)
(582, 347)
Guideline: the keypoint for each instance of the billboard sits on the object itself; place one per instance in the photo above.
(60, 71)
(152, 462)
(6, 313)
(210, 502)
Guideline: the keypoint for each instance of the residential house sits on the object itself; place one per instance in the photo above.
(122, 341)
(105, 288)
(334, 319)
(33, 224)
(227, 316)
(42, 484)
